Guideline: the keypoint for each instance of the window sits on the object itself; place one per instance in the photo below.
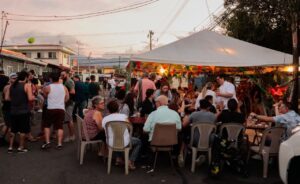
(52, 55)
(39, 55)
(65, 55)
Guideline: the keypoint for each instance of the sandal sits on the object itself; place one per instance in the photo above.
(131, 167)
(119, 163)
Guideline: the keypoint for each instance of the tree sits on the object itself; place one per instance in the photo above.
(270, 23)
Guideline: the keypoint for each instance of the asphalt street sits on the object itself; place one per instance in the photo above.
(62, 167)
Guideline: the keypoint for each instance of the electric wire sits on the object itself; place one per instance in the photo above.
(76, 17)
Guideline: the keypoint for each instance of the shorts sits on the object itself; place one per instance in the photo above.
(7, 118)
(69, 112)
(54, 117)
(20, 123)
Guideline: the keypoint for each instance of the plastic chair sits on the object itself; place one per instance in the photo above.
(163, 139)
(234, 130)
(205, 131)
(82, 143)
(118, 129)
(269, 146)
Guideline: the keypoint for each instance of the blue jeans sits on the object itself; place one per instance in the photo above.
(136, 144)
(136, 148)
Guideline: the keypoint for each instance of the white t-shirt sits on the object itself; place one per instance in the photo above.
(115, 117)
(226, 87)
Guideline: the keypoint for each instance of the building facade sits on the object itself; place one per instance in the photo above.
(13, 62)
(53, 55)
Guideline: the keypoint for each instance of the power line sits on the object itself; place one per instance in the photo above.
(174, 18)
(80, 16)
(208, 17)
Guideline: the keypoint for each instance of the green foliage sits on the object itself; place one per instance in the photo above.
(262, 22)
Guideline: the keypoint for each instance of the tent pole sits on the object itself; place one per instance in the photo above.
(129, 76)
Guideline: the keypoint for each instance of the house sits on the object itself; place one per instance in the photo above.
(56, 56)
(14, 62)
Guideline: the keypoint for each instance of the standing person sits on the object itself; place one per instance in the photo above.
(94, 88)
(6, 109)
(226, 90)
(141, 88)
(87, 91)
(3, 82)
(80, 97)
(56, 95)
(69, 84)
(20, 94)
(208, 89)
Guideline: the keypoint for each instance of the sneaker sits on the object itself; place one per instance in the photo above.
(22, 150)
(46, 146)
(69, 139)
(200, 160)
(9, 150)
(59, 147)
(180, 160)
(256, 157)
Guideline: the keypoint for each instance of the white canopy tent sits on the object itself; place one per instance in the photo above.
(207, 48)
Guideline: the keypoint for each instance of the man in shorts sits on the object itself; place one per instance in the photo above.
(69, 105)
(56, 94)
(20, 94)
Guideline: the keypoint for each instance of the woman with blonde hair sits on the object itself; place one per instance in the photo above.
(208, 89)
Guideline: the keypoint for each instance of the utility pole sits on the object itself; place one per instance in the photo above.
(89, 59)
(2, 41)
(119, 63)
(150, 34)
(77, 57)
(2, 23)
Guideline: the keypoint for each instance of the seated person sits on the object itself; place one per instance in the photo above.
(286, 117)
(93, 120)
(114, 115)
(127, 106)
(161, 115)
(212, 108)
(232, 114)
(148, 104)
(202, 116)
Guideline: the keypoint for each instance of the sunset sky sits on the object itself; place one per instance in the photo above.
(124, 32)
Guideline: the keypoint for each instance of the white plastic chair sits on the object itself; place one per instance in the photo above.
(205, 131)
(118, 128)
(274, 136)
(82, 143)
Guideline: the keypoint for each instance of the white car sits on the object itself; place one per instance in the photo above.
(289, 158)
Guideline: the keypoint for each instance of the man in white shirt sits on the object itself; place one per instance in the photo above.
(114, 115)
(226, 90)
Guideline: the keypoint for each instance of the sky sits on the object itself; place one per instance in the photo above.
(112, 34)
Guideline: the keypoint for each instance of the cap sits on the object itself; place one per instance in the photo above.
(13, 75)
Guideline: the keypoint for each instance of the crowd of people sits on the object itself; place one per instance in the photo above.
(62, 96)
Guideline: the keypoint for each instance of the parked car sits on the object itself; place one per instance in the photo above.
(289, 158)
